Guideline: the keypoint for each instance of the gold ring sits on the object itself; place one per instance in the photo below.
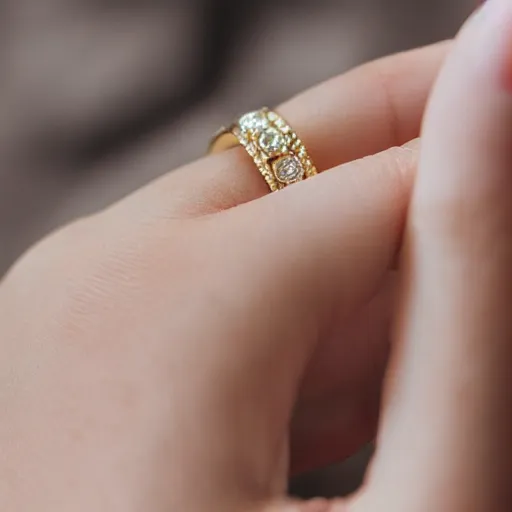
(277, 151)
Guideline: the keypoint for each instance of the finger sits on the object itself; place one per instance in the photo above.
(303, 275)
(368, 110)
(446, 439)
(338, 405)
(262, 284)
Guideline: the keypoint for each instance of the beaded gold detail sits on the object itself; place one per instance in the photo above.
(277, 151)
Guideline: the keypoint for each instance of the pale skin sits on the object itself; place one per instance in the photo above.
(192, 345)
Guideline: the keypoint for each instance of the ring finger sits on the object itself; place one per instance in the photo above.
(363, 112)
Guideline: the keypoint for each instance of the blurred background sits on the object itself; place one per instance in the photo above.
(97, 97)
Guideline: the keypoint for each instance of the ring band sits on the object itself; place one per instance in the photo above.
(277, 151)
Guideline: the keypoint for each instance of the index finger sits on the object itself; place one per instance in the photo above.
(372, 108)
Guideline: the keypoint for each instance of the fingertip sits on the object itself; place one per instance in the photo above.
(413, 145)
(468, 125)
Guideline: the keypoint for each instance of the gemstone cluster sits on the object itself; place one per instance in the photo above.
(276, 149)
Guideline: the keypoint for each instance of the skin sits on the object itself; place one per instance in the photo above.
(188, 347)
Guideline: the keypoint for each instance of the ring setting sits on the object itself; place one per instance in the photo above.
(277, 151)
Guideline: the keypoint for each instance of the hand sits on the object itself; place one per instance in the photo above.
(152, 355)
(157, 346)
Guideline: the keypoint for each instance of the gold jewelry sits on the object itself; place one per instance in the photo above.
(277, 151)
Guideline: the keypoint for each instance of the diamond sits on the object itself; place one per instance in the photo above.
(253, 121)
(273, 116)
(288, 169)
(271, 141)
(280, 123)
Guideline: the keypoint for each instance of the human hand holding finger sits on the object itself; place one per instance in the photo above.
(112, 328)
(350, 117)
(163, 342)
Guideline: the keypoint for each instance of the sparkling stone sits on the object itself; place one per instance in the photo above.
(253, 121)
(273, 117)
(271, 141)
(288, 169)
